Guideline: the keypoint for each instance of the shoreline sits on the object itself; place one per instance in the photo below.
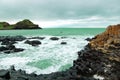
(93, 63)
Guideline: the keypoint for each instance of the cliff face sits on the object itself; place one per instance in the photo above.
(25, 24)
(108, 42)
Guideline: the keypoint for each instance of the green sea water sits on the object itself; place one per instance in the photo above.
(50, 56)
(54, 31)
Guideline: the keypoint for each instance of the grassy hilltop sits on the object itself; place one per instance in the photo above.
(24, 24)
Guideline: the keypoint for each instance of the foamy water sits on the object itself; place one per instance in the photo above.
(48, 57)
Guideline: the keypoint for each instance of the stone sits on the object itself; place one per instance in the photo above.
(33, 42)
(10, 49)
(41, 38)
(4, 74)
(54, 38)
(2, 48)
(88, 39)
(108, 41)
(63, 43)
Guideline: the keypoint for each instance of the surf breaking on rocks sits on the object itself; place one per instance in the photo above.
(95, 61)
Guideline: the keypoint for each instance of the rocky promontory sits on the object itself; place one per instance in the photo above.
(24, 24)
(108, 42)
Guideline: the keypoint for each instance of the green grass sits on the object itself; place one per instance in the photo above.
(7, 27)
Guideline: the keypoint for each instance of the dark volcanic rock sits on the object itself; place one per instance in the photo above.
(7, 42)
(33, 43)
(10, 49)
(4, 74)
(6, 39)
(2, 48)
(88, 39)
(63, 43)
(54, 38)
(41, 38)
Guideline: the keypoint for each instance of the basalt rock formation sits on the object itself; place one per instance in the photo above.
(101, 56)
(108, 42)
(33, 42)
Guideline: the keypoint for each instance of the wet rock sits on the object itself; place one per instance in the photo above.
(4, 74)
(63, 37)
(54, 38)
(88, 39)
(63, 43)
(11, 38)
(10, 49)
(41, 38)
(6, 42)
(12, 68)
(2, 48)
(33, 43)
(22, 78)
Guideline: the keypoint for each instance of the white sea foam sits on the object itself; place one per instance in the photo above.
(50, 53)
(98, 77)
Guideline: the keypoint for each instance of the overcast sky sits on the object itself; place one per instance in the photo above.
(51, 10)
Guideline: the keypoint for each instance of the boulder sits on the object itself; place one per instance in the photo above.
(41, 38)
(88, 39)
(33, 43)
(7, 39)
(54, 38)
(63, 43)
(4, 74)
(2, 48)
(6, 42)
(10, 49)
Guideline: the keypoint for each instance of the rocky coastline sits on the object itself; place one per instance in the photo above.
(99, 60)
(24, 24)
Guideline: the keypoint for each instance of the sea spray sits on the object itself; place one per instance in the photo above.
(46, 58)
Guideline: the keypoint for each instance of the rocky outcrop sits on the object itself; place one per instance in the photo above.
(10, 49)
(54, 38)
(40, 38)
(8, 44)
(108, 42)
(25, 24)
(63, 43)
(33, 42)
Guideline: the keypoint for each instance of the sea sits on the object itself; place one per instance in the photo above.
(50, 56)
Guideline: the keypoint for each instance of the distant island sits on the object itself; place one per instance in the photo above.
(24, 24)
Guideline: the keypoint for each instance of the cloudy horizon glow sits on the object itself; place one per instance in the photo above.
(57, 13)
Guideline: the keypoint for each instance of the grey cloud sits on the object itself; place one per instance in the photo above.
(58, 9)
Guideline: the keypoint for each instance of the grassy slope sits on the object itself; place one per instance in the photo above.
(7, 27)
